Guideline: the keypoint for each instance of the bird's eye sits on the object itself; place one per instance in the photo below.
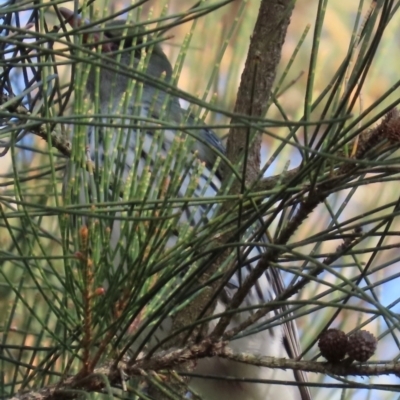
(114, 46)
(115, 41)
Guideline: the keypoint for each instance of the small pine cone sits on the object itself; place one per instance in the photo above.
(333, 345)
(362, 345)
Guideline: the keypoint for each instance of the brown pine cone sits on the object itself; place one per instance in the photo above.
(333, 344)
(362, 345)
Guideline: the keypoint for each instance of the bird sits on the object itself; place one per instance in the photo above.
(152, 100)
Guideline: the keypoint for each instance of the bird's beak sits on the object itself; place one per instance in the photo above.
(75, 21)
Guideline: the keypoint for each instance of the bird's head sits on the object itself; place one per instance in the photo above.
(115, 36)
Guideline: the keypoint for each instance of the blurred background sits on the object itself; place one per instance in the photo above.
(211, 70)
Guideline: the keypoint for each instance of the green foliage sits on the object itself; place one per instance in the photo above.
(329, 204)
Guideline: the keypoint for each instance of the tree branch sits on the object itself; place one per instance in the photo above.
(110, 374)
